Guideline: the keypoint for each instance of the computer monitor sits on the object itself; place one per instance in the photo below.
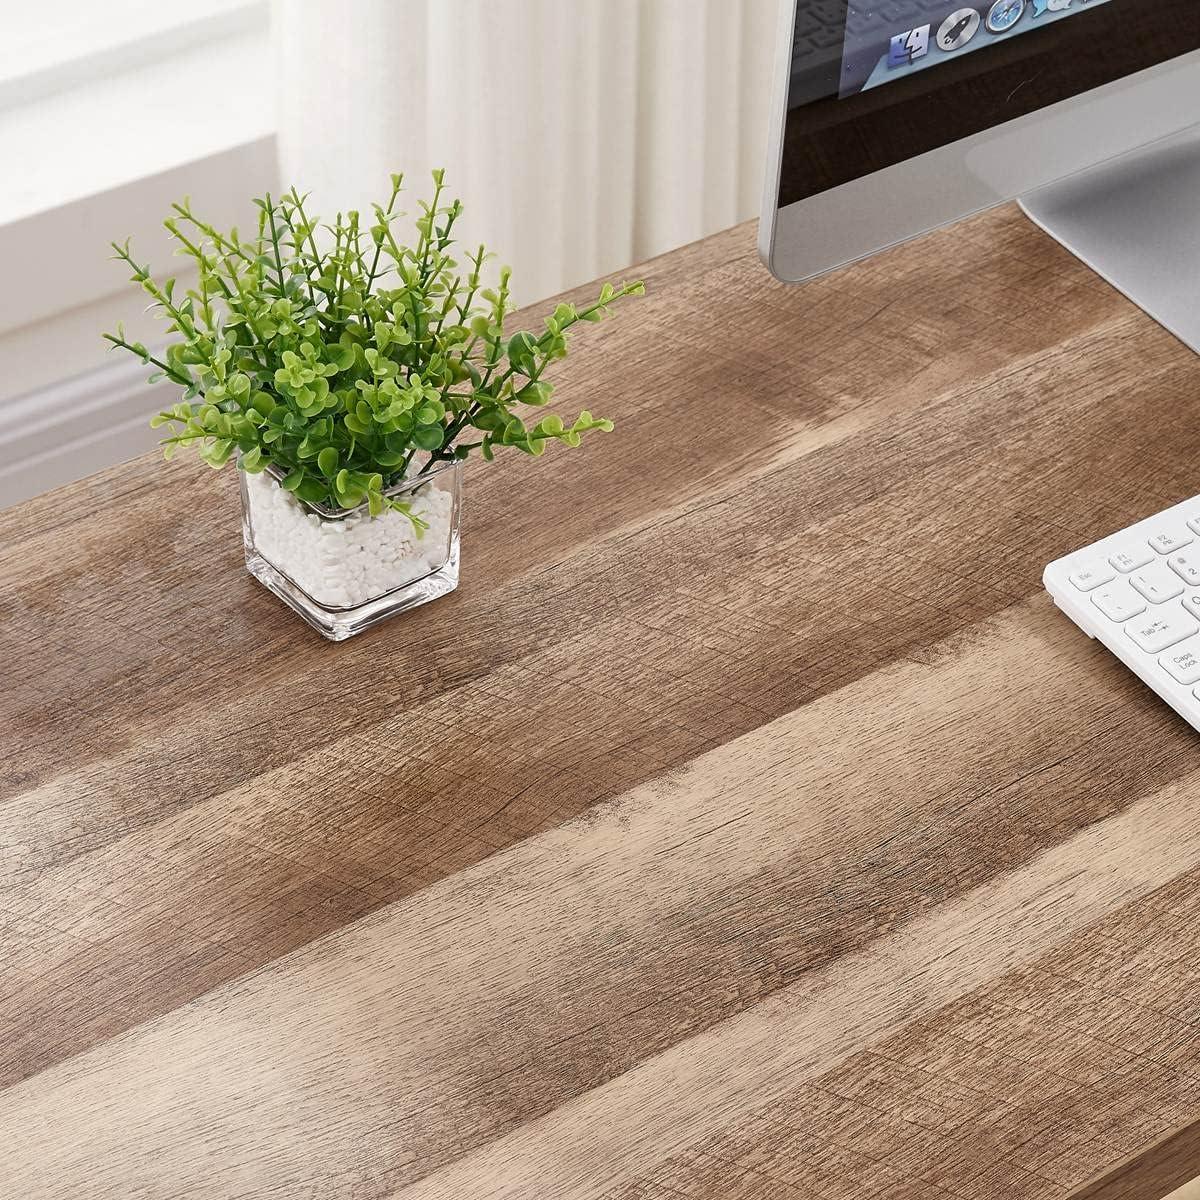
(894, 117)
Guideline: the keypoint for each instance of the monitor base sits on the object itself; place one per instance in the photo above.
(1136, 222)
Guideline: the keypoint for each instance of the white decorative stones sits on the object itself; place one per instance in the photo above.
(344, 572)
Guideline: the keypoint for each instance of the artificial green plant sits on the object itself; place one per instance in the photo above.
(346, 360)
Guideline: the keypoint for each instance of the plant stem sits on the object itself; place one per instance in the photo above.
(171, 373)
(275, 244)
(397, 184)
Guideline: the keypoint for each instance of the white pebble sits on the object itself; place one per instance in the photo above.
(348, 562)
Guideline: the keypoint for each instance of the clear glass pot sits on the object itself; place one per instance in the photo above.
(342, 569)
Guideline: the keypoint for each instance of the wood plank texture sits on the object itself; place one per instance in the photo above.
(749, 824)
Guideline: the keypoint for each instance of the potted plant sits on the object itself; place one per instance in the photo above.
(350, 376)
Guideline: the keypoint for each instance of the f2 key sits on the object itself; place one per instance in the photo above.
(1186, 564)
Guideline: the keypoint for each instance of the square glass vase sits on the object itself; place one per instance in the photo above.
(343, 570)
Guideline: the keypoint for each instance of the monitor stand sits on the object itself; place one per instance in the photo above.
(1136, 222)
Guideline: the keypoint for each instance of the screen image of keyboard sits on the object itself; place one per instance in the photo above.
(825, 30)
(1138, 593)
(823, 25)
(820, 27)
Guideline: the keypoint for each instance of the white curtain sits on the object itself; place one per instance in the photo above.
(582, 135)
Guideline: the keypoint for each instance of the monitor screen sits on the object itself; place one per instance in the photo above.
(951, 70)
(884, 42)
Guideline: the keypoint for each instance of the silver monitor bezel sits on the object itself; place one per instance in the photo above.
(857, 219)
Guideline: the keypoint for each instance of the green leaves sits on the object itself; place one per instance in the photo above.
(522, 353)
(345, 362)
(536, 393)
(262, 403)
(428, 437)
(218, 452)
(313, 490)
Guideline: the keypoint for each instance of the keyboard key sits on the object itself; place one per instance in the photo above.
(1132, 557)
(1157, 583)
(1169, 540)
(1150, 607)
(1160, 628)
(1093, 575)
(1182, 662)
(1186, 565)
(1118, 601)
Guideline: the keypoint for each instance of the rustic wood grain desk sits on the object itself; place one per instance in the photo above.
(749, 825)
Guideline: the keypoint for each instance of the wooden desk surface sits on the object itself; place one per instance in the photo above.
(749, 825)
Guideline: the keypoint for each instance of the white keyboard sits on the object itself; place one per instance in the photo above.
(1138, 592)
